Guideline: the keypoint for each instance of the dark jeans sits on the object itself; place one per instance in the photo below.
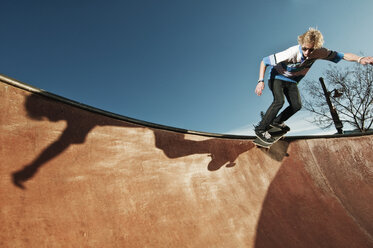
(280, 89)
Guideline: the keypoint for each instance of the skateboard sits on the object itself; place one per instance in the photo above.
(275, 133)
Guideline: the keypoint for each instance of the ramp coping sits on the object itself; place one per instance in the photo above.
(34, 90)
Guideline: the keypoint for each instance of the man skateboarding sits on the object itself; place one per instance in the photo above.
(287, 69)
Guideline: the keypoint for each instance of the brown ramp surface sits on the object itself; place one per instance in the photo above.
(74, 176)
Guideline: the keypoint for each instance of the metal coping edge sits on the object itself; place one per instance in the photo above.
(83, 106)
(34, 90)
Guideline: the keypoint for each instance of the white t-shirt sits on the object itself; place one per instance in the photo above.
(290, 65)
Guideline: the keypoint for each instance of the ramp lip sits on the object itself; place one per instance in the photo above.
(35, 90)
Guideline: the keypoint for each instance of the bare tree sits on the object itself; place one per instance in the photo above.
(354, 106)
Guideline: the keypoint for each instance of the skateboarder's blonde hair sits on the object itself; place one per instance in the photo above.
(312, 36)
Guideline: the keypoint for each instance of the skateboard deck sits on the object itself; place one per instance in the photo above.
(276, 134)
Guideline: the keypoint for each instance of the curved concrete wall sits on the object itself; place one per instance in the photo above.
(75, 178)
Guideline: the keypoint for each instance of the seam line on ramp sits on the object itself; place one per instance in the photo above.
(336, 196)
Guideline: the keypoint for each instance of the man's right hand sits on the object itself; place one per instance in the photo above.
(259, 88)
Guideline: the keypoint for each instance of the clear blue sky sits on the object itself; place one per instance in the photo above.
(191, 64)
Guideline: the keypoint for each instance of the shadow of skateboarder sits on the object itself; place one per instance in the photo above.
(76, 131)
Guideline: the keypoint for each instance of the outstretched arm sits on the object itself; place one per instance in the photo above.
(355, 58)
(260, 86)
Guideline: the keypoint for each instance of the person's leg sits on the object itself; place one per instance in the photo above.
(261, 131)
(276, 86)
(295, 104)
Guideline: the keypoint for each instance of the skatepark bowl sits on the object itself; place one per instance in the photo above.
(75, 176)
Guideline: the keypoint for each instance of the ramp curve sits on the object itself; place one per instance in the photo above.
(75, 176)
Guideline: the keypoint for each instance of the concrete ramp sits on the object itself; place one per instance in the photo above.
(75, 176)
